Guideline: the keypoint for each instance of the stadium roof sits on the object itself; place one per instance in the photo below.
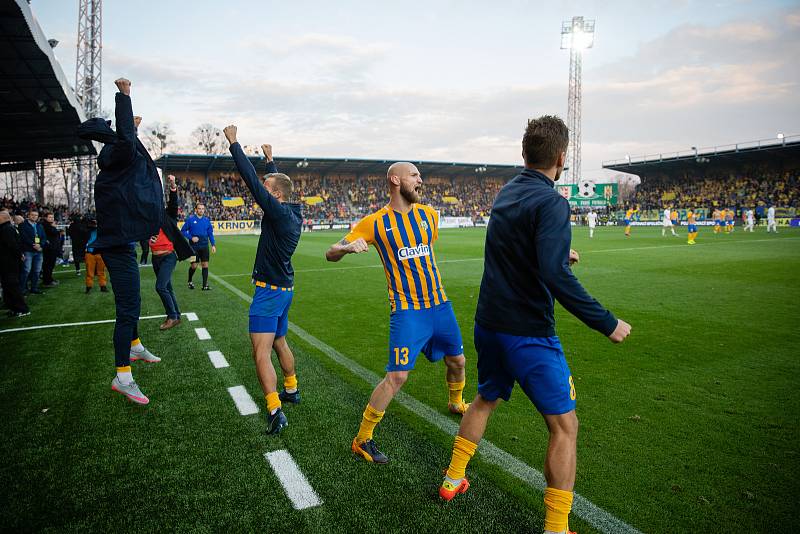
(224, 163)
(39, 112)
(711, 158)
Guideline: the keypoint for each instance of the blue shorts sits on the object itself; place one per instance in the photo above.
(627, 222)
(432, 331)
(674, 222)
(717, 222)
(537, 364)
(692, 228)
(269, 311)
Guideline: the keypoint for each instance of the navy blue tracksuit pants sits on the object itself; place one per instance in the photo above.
(123, 269)
(163, 266)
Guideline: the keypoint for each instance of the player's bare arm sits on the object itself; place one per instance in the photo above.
(340, 249)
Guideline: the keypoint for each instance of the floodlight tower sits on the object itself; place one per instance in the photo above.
(576, 36)
(88, 83)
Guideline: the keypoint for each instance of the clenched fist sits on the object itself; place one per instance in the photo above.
(267, 150)
(230, 133)
(123, 85)
(573, 257)
(357, 247)
(622, 331)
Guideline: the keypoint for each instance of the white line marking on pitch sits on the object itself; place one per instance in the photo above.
(588, 511)
(217, 358)
(244, 402)
(202, 333)
(294, 483)
(461, 260)
(191, 316)
(62, 325)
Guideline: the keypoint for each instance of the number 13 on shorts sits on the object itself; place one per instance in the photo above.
(400, 355)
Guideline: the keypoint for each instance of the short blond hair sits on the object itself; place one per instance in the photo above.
(283, 182)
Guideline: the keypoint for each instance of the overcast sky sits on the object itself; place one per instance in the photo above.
(449, 80)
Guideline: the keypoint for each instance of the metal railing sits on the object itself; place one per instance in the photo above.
(706, 151)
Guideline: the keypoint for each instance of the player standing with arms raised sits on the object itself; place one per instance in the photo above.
(526, 263)
(422, 319)
(273, 276)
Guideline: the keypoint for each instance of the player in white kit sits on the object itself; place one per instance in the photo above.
(591, 218)
(667, 224)
(771, 220)
(751, 221)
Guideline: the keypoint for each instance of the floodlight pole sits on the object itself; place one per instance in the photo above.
(88, 82)
(576, 35)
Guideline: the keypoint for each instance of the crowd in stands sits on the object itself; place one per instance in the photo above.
(348, 199)
(342, 199)
(739, 192)
(61, 212)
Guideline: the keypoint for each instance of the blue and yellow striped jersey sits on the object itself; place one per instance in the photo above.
(404, 242)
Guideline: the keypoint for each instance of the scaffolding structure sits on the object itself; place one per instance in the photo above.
(88, 85)
(576, 36)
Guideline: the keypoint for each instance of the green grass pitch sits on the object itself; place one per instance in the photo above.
(689, 426)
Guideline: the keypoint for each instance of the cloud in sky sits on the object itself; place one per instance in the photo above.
(333, 91)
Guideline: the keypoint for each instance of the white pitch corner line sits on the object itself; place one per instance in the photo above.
(581, 506)
(191, 317)
(292, 479)
(244, 402)
(202, 334)
(217, 358)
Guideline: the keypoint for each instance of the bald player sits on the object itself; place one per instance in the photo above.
(422, 320)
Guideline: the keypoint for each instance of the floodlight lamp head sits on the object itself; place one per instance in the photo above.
(577, 34)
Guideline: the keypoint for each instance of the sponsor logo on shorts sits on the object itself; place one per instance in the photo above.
(407, 253)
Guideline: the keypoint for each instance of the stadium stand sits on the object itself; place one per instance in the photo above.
(752, 175)
(342, 198)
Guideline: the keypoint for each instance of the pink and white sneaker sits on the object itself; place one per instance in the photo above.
(131, 391)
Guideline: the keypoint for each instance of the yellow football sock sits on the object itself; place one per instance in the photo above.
(455, 390)
(126, 369)
(290, 382)
(273, 402)
(371, 418)
(463, 450)
(557, 505)
(135, 342)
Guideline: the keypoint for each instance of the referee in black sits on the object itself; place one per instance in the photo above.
(527, 263)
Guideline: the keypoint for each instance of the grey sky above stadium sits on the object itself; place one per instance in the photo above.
(449, 80)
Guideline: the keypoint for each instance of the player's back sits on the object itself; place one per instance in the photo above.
(511, 280)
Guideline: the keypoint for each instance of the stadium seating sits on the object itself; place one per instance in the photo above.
(766, 189)
(342, 199)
